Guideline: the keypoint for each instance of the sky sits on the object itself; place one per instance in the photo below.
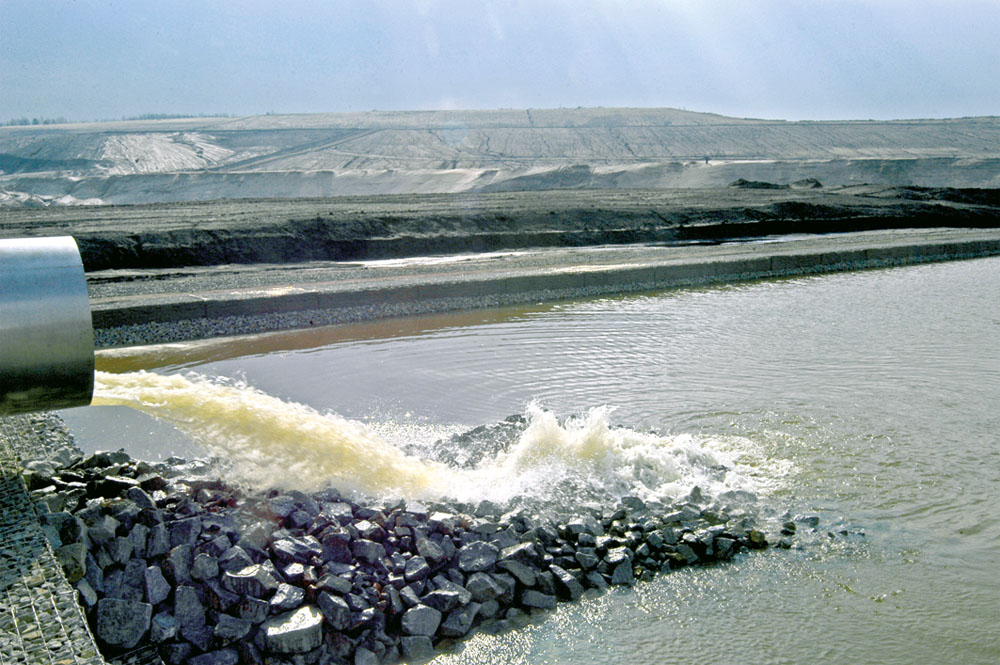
(788, 59)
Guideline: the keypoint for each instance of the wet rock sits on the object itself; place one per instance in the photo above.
(532, 598)
(298, 631)
(185, 531)
(234, 558)
(421, 620)
(522, 572)
(335, 583)
(416, 568)
(291, 549)
(622, 574)
(368, 550)
(459, 621)
(567, 586)
(122, 623)
(287, 597)
(416, 648)
(335, 610)
(430, 551)
(255, 580)
(477, 557)
(483, 587)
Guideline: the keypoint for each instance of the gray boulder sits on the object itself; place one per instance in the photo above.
(298, 631)
(255, 580)
(157, 587)
(477, 557)
(122, 623)
(417, 648)
(335, 610)
(421, 620)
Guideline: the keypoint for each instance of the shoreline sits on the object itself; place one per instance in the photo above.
(156, 306)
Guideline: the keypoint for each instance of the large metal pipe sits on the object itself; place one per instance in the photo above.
(46, 335)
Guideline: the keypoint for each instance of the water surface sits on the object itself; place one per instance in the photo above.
(866, 398)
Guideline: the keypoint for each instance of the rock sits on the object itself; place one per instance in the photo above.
(176, 654)
(235, 558)
(443, 600)
(205, 567)
(417, 648)
(122, 623)
(335, 610)
(567, 586)
(230, 629)
(103, 529)
(217, 546)
(177, 567)
(254, 610)
(88, 597)
(537, 599)
(156, 586)
(421, 620)
(158, 542)
(477, 557)
(220, 657)
(139, 537)
(459, 621)
(287, 597)
(290, 549)
(483, 587)
(596, 581)
(163, 627)
(430, 551)
(119, 549)
(623, 574)
(253, 580)
(219, 598)
(524, 573)
(200, 635)
(73, 559)
(363, 656)
(756, 539)
(140, 498)
(185, 531)
(298, 631)
(416, 568)
(368, 550)
(188, 609)
(331, 582)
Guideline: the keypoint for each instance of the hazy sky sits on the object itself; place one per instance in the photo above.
(793, 59)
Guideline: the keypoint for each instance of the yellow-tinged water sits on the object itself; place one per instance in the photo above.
(268, 442)
(867, 399)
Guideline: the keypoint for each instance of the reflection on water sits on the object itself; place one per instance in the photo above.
(879, 390)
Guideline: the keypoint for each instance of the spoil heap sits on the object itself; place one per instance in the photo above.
(164, 557)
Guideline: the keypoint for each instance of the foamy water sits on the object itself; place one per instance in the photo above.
(269, 442)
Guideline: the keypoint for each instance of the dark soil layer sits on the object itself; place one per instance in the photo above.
(353, 228)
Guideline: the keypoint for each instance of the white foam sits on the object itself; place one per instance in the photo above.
(270, 442)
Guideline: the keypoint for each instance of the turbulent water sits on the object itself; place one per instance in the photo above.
(267, 442)
(868, 399)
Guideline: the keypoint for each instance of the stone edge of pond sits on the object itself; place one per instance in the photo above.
(167, 560)
(189, 317)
